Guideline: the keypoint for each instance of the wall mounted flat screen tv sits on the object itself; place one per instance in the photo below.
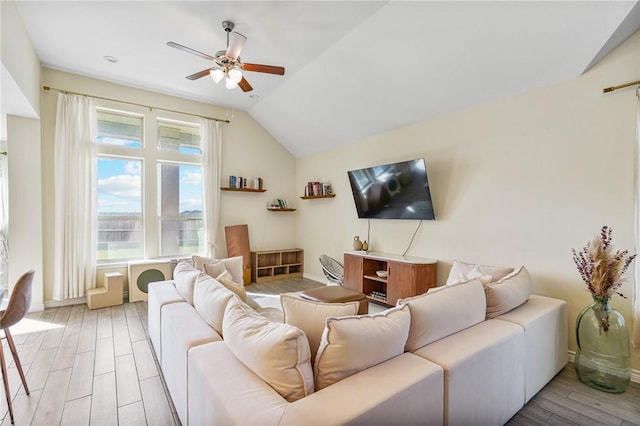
(393, 191)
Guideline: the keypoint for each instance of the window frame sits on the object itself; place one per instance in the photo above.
(151, 156)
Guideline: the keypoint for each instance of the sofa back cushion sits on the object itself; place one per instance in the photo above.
(353, 344)
(185, 277)
(440, 313)
(277, 353)
(210, 299)
(232, 264)
(508, 293)
(311, 317)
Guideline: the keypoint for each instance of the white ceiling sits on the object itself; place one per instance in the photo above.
(353, 69)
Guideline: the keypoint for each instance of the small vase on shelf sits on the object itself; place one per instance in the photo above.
(365, 246)
(603, 356)
(357, 244)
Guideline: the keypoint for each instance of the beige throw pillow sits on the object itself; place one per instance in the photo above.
(508, 293)
(277, 353)
(234, 287)
(445, 311)
(311, 317)
(353, 344)
(185, 277)
(210, 299)
(214, 269)
(458, 267)
(233, 265)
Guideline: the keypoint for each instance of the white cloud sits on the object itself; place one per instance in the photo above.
(133, 167)
(121, 186)
(191, 178)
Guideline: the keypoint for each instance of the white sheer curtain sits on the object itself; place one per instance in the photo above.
(635, 338)
(211, 162)
(75, 197)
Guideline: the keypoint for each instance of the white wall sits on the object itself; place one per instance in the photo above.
(248, 150)
(18, 56)
(25, 204)
(517, 181)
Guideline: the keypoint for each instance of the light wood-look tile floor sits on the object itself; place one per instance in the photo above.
(87, 367)
(97, 367)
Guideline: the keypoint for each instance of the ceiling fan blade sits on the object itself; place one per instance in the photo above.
(269, 69)
(190, 50)
(198, 75)
(236, 43)
(244, 85)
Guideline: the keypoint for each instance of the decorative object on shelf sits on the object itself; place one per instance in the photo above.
(317, 189)
(603, 356)
(280, 205)
(365, 245)
(357, 244)
(382, 274)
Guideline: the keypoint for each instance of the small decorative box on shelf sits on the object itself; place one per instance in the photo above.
(243, 189)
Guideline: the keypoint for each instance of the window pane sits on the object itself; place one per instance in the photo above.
(119, 129)
(119, 206)
(181, 227)
(179, 137)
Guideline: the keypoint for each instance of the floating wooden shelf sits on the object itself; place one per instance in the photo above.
(280, 210)
(243, 189)
(312, 197)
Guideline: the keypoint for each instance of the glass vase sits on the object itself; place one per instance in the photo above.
(603, 357)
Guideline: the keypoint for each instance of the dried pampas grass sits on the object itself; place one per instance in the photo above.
(600, 267)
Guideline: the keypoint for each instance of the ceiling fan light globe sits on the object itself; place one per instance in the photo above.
(216, 74)
(230, 84)
(235, 75)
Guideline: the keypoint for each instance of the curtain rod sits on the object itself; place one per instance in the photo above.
(622, 86)
(133, 103)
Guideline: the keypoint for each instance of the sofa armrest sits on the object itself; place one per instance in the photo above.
(404, 390)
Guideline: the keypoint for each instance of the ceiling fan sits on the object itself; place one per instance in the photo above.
(228, 64)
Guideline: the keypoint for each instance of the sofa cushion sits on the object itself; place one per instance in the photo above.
(311, 317)
(353, 344)
(210, 299)
(233, 265)
(277, 353)
(508, 293)
(458, 267)
(443, 312)
(185, 277)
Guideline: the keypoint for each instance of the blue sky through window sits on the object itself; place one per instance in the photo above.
(120, 187)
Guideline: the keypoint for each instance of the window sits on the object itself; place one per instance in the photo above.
(149, 189)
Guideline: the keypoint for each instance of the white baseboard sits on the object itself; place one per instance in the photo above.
(635, 374)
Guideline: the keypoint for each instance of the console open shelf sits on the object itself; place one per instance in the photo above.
(406, 276)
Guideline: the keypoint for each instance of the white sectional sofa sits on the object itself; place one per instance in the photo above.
(444, 363)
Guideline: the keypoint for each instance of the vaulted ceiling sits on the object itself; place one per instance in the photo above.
(353, 69)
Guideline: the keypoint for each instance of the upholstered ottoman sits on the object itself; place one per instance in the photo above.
(337, 294)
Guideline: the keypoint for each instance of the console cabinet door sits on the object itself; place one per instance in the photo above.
(400, 281)
(353, 272)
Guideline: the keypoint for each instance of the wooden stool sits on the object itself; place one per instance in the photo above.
(337, 294)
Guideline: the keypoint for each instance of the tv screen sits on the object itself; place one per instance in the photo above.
(393, 191)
